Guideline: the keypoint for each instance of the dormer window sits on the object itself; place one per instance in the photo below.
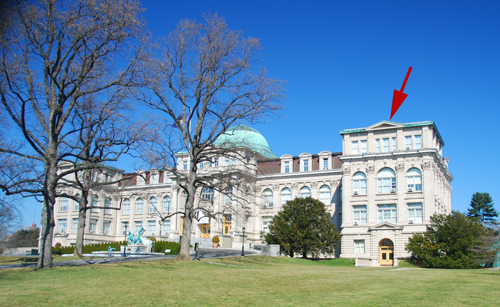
(325, 163)
(306, 165)
(287, 166)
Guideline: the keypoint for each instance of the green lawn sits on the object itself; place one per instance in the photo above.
(19, 259)
(249, 281)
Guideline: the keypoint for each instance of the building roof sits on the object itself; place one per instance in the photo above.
(390, 125)
(244, 136)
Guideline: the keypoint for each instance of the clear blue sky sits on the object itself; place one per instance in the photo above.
(343, 59)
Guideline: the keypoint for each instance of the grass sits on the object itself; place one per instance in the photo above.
(19, 259)
(248, 281)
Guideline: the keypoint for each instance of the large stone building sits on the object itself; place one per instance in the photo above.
(384, 185)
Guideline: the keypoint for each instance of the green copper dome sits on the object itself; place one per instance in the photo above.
(244, 136)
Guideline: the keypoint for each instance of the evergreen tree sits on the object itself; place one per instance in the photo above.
(452, 241)
(481, 207)
(305, 227)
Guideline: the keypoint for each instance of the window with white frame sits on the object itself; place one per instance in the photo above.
(207, 193)
(63, 225)
(154, 178)
(125, 228)
(305, 192)
(107, 205)
(151, 228)
(138, 225)
(408, 142)
(167, 204)
(359, 183)
(200, 166)
(106, 227)
(359, 246)
(93, 226)
(387, 213)
(152, 205)
(140, 179)
(416, 213)
(355, 147)
(167, 179)
(266, 221)
(75, 225)
(184, 198)
(325, 163)
(228, 196)
(287, 166)
(325, 195)
(386, 181)
(94, 202)
(364, 147)
(267, 198)
(226, 161)
(63, 205)
(414, 179)
(216, 162)
(394, 144)
(418, 141)
(166, 227)
(76, 204)
(126, 206)
(377, 145)
(286, 195)
(139, 206)
(385, 142)
(184, 165)
(359, 214)
(306, 165)
(233, 161)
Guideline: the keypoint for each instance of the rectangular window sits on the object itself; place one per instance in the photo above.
(387, 213)
(75, 225)
(226, 161)
(386, 144)
(106, 227)
(63, 224)
(287, 166)
(377, 145)
(359, 246)
(107, 205)
(124, 228)
(408, 142)
(151, 228)
(168, 179)
(386, 185)
(355, 147)
(415, 213)
(359, 186)
(138, 226)
(166, 227)
(364, 147)
(94, 202)
(266, 221)
(93, 226)
(233, 161)
(77, 205)
(325, 163)
(200, 165)
(216, 162)
(306, 165)
(126, 206)
(154, 178)
(228, 196)
(64, 205)
(359, 214)
(394, 144)
(185, 165)
(418, 141)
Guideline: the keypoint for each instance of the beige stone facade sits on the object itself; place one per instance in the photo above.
(384, 186)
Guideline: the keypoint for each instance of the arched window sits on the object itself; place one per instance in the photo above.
(152, 205)
(286, 195)
(414, 179)
(139, 204)
(207, 193)
(167, 203)
(359, 183)
(325, 195)
(267, 197)
(305, 192)
(386, 181)
(126, 206)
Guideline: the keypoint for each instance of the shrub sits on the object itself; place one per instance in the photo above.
(215, 239)
(161, 246)
(152, 239)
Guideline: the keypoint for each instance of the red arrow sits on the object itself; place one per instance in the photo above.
(398, 97)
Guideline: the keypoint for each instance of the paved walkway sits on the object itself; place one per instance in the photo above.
(203, 253)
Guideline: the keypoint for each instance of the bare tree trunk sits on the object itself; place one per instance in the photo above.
(82, 216)
(45, 259)
(188, 218)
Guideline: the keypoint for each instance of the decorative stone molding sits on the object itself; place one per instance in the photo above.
(314, 185)
(426, 165)
(400, 167)
(294, 186)
(370, 169)
(346, 171)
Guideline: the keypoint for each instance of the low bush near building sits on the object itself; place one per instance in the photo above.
(89, 248)
(161, 246)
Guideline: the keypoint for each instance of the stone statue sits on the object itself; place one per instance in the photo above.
(136, 238)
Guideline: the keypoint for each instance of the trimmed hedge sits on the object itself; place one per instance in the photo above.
(161, 246)
(89, 248)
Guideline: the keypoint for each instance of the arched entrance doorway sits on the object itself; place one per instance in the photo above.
(386, 252)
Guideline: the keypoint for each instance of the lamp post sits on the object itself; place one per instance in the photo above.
(243, 245)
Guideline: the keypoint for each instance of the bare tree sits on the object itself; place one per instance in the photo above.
(202, 81)
(53, 56)
(10, 217)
